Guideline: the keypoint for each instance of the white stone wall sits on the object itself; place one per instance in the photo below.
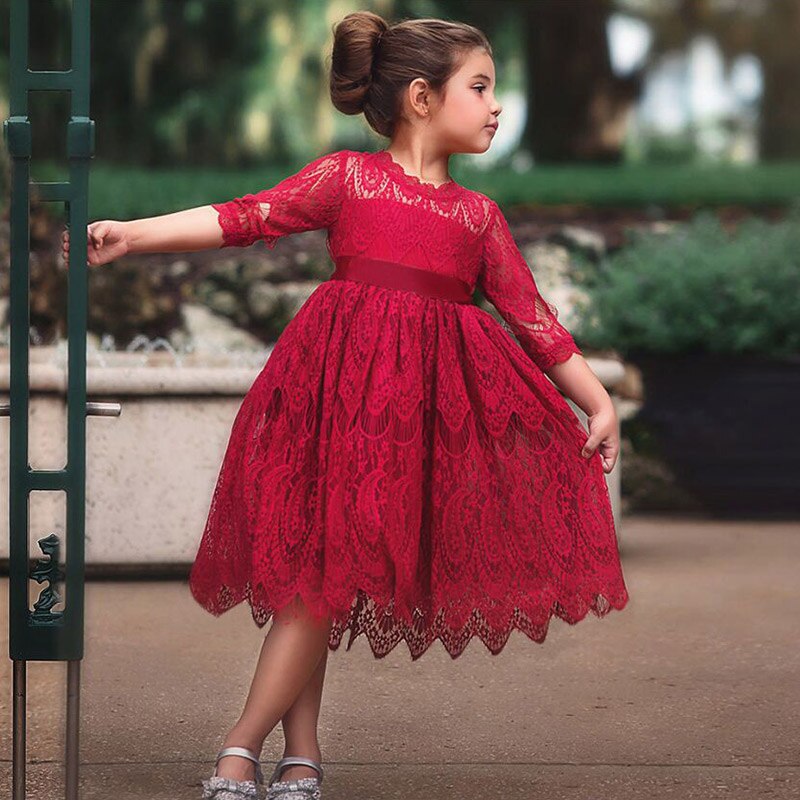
(150, 471)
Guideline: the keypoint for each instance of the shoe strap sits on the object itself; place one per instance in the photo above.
(300, 761)
(244, 753)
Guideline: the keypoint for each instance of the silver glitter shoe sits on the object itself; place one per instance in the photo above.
(299, 788)
(219, 788)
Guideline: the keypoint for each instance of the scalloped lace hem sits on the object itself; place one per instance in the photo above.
(385, 625)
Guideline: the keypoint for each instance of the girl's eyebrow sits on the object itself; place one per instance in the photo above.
(481, 75)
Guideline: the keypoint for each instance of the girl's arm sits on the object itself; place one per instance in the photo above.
(309, 199)
(507, 282)
(181, 231)
(575, 378)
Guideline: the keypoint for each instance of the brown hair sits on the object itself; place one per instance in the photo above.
(372, 61)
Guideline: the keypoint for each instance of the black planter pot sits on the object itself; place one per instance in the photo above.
(728, 427)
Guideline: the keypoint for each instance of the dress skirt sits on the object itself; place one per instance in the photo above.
(403, 467)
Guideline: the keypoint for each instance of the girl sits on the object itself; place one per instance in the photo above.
(401, 467)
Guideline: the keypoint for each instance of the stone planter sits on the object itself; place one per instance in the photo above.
(726, 428)
(150, 471)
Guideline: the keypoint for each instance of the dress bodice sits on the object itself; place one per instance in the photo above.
(372, 207)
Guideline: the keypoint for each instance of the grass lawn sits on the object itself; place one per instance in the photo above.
(122, 192)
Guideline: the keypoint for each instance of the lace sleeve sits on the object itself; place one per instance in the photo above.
(309, 199)
(507, 282)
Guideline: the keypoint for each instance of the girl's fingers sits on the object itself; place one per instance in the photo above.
(99, 233)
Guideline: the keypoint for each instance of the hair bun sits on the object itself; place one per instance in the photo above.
(355, 41)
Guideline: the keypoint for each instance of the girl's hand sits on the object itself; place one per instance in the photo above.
(105, 241)
(603, 436)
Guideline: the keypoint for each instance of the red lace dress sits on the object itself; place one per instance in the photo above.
(401, 462)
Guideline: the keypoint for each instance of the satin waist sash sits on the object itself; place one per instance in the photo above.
(392, 275)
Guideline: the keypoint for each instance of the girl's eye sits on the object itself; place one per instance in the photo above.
(479, 87)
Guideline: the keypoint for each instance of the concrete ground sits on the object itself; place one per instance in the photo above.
(692, 691)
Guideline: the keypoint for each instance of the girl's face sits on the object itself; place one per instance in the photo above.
(466, 121)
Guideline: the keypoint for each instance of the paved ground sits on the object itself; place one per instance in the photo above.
(690, 692)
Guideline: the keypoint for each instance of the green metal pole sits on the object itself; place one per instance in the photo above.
(39, 633)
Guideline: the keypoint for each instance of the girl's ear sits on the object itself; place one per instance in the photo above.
(419, 96)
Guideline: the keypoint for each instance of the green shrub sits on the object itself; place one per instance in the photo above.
(698, 289)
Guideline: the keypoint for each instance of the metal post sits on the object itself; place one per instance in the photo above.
(39, 633)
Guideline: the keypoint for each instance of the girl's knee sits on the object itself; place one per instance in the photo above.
(297, 609)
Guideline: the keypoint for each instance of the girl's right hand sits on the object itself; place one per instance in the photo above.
(105, 241)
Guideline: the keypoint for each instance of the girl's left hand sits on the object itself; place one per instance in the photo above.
(603, 436)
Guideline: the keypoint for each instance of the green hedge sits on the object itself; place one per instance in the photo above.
(697, 288)
(119, 192)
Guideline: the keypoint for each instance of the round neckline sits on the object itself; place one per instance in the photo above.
(398, 169)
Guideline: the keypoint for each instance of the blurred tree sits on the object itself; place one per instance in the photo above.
(179, 72)
(168, 80)
(580, 106)
(584, 105)
(577, 106)
(212, 81)
(768, 29)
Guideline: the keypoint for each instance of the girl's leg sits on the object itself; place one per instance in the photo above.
(300, 725)
(290, 654)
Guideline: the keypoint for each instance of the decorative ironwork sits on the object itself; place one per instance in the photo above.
(48, 570)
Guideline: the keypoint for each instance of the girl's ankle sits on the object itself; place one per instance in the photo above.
(295, 771)
(237, 767)
(313, 752)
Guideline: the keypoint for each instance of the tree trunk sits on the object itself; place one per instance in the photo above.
(779, 134)
(578, 108)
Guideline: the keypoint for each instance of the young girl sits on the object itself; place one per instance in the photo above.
(401, 467)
